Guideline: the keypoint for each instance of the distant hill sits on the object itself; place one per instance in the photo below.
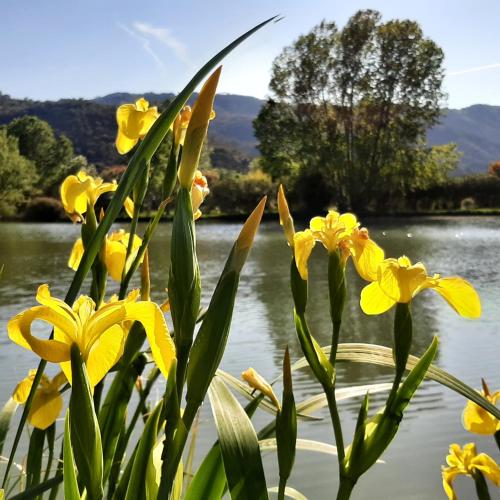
(91, 125)
(476, 131)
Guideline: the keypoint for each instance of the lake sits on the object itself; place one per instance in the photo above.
(262, 326)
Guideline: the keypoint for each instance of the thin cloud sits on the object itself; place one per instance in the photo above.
(474, 70)
(165, 36)
(146, 45)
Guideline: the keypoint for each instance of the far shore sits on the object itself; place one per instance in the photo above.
(240, 216)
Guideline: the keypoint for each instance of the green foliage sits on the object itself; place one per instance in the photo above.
(233, 192)
(239, 446)
(70, 482)
(349, 110)
(17, 175)
(51, 155)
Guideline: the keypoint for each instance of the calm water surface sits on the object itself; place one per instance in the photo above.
(262, 327)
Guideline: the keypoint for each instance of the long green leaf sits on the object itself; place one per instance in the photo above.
(137, 482)
(35, 455)
(137, 164)
(380, 355)
(69, 472)
(85, 433)
(239, 445)
(8, 410)
(210, 478)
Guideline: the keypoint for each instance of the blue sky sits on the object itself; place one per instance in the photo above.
(85, 48)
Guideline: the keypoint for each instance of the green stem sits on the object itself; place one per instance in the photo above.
(281, 489)
(481, 486)
(345, 488)
(335, 342)
(337, 426)
(174, 454)
(337, 294)
(497, 438)
(403, 333)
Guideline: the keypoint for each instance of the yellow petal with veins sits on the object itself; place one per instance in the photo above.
(459, 293)
(124, 144)
(76, 254)
(45, 409)
(303, 244)
(151, 318)
(367, 256)
(399, 279)
(19, 330)
(105, 353)
(477, 420)
(73, 194)
(100, 322)
(374, 300)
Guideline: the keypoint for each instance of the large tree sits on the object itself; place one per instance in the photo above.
(52, 155)
(350, 109)
(17, 175)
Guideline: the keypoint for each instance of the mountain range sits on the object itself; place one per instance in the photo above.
(91, 126)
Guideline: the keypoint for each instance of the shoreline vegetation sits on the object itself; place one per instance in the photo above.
(271, 216)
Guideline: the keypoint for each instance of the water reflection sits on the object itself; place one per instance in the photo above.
(263, 326)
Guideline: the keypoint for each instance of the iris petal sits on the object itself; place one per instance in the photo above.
(374, 300)
(151, 318)
(460, 294)
(303, 244)
(105, 353)
(45, 409)
(19, 330)
(367, 256)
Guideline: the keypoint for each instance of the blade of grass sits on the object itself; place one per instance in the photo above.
(239, 445)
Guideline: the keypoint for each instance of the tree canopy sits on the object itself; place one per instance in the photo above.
(349, 111)
(17, 175)
(52, 155)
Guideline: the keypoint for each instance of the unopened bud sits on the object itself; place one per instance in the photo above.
(285, 218)
(197, 130)
(247, 235)
(256, 381)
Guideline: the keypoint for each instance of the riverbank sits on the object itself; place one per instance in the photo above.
(272, 215)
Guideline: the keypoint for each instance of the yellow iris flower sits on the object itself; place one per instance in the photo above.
(134, 122)
(115, 251)
(99, 334)
(199, 191)
(80, 190)
(339, 232)
(479, 421)
(399, 281)
(466, 461)
(47, 401)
